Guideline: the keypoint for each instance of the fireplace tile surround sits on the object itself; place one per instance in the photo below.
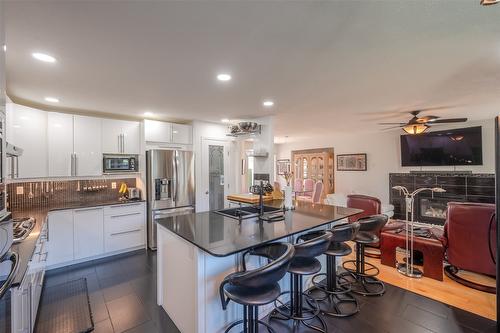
(429, 208)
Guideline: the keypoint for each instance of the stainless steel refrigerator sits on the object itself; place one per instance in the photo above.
(170, 186)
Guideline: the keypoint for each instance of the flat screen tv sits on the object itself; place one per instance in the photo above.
(461, 146)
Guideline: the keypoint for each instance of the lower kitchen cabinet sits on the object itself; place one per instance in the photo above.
(88, 236)
(60, 237)
(124, 227)
(77, 235)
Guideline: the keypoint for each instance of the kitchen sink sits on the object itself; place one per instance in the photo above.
(246, 212)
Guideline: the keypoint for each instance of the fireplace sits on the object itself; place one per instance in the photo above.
(432, 210)
(428, 208)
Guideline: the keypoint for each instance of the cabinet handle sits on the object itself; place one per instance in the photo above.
(17, 167)
(125, 205)
(122, 215)
(123, 143)
(86, 209)
(73, 164)
(125, 232)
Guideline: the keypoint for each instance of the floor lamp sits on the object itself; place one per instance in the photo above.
(407, 268)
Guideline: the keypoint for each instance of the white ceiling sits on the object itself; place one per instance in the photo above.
(329, 66)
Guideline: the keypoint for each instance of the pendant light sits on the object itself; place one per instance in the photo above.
(415, 128)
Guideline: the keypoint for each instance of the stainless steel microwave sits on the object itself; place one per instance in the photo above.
(117, 163)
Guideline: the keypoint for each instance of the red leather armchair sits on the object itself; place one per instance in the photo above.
(371, 206)
(470, 241)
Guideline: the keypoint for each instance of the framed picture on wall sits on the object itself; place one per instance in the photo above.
(351, 162)
(282, 166)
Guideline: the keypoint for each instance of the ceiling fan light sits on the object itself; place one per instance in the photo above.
(415, 128)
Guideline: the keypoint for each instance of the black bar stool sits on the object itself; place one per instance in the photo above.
(337, 295)
(303, 263)
(361, 274)
(257, 287)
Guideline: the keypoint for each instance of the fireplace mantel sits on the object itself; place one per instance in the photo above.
(461, 187)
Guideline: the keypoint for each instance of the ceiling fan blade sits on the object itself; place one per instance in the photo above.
(392, 127)
(436, 108)
(400, 124)
(450, 120)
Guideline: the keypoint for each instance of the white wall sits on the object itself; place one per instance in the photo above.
(383, 154)
(264, 142)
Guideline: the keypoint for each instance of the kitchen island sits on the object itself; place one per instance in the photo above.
(196, 251)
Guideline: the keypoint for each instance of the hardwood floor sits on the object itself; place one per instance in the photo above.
(446, 291)
(123, 299)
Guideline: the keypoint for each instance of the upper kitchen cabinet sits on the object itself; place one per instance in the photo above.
(27, 129)
(60, 144)
(87, 146)
(157, 131)
(121, 137)
(182, 134)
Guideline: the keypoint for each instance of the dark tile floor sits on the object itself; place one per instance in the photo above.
(122, 292)
(123, 299)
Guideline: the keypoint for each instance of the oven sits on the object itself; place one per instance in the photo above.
(18, 309)
(119, 163)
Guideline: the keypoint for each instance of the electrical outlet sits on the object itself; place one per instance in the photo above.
(113, 185)
(19, 190)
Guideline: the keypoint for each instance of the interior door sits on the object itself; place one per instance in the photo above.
(215, 174)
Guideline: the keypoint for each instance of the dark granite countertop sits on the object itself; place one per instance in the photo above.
(86, 204)
(27, 246)
(223, 236)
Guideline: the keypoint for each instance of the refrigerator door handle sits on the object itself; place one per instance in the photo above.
(176, 178)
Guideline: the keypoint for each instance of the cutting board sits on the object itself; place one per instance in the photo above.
(248, 198)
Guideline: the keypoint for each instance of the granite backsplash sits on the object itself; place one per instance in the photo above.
(59, 194)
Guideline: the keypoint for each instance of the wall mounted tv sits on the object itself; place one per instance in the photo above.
(461, 146)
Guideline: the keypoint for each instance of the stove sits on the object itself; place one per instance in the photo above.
(22, 228)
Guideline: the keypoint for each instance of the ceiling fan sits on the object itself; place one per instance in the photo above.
(418, 125)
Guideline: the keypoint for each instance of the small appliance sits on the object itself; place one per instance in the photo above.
(134, 193)
(119, 163)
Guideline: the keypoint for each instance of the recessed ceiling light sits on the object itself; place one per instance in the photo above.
(5, 47)
(43, 57)
(225, 120)
(148, 114)
(52, 99)
(224, 77)
(268, 103)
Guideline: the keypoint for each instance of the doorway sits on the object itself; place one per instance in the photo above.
(215, 173)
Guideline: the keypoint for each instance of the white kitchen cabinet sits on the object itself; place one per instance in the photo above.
(87, 146)
(131, 137)
(27, 129)
(60, 144)
(88, 232)
(111, 136)
(121, 137)
(182, 134)
(157, 131)
(77, 235)
(60, 241)
(124, 227)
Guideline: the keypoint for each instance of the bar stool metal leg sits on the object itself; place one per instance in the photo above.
(337, 300)
(295, 310)
(362, 282)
